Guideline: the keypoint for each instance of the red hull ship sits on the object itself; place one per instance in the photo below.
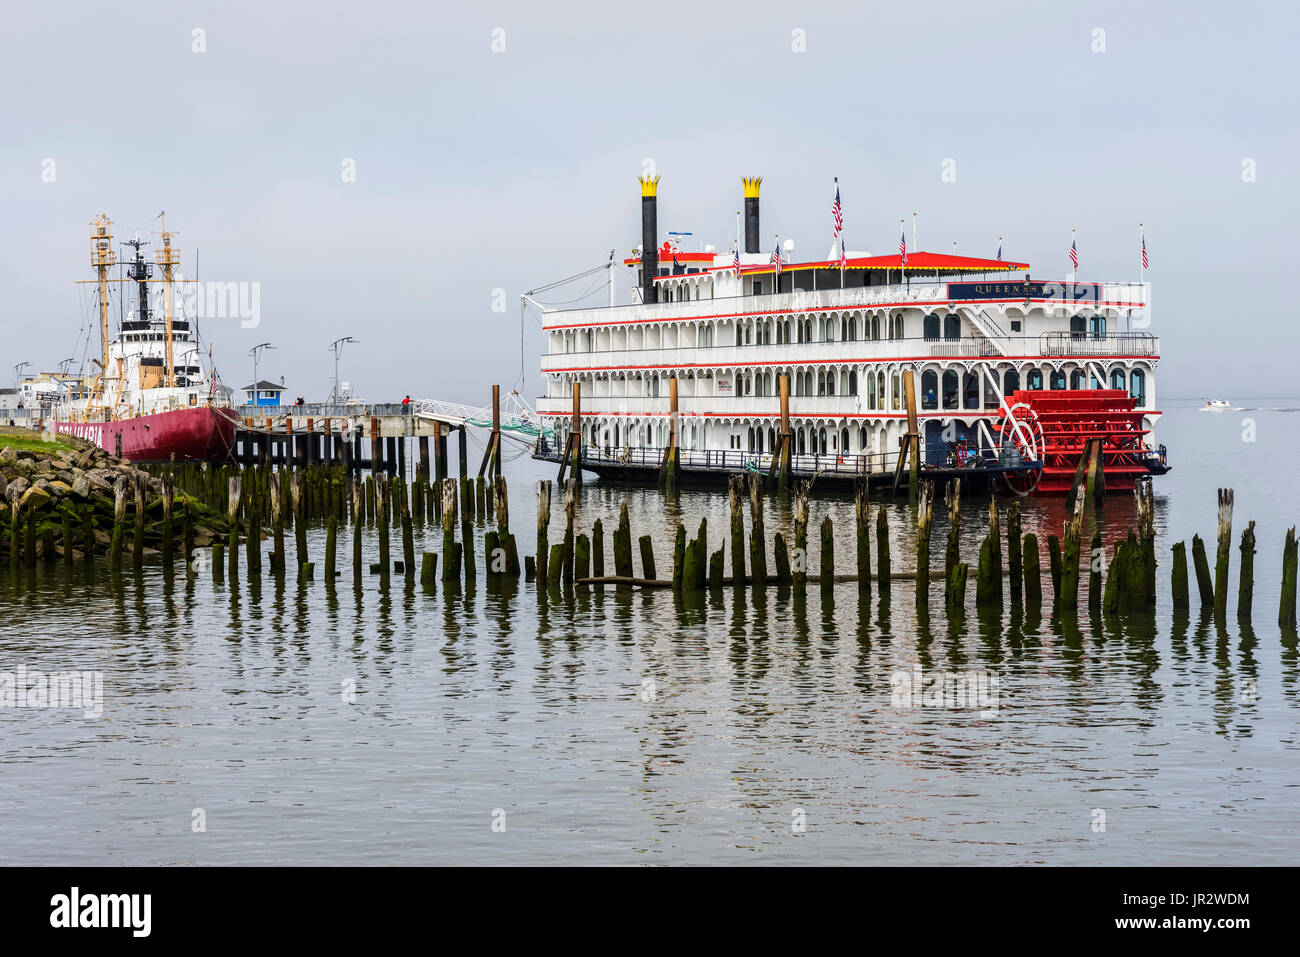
(150, 400)
(204, 432)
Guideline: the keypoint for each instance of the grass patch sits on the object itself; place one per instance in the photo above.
(25, 444)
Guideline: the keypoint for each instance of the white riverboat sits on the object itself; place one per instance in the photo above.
(988, 346)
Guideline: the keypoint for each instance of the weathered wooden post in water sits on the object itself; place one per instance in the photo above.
(382, 511)
(757, 536)
(952, 551)
(598, 552)
(1095, 556)
(1246, 578)
(277, 529)
(168, 546)
(800, 563)
(783, 440)
(232, 513)
(669, 470)
(570, 507)
(543, 522)
(1033, 576)
(914, 436)
(1068, 598)
(826, 570)
(623, 544)
(1054, 563)
(119, 519)
(1204, 584)
(1225, 548)
(502, 500)
(299, 522)
(1178, 579)
(15, 516)
(862, 527)
(924, 515)
(882, 551)
(408, 545)
(1286, 613)
(137, 544)
(735, 501)
(358, 523)
(451, 548)
(1015, 565)
(647, 558)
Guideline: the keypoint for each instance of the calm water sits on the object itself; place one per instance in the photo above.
(631, 729)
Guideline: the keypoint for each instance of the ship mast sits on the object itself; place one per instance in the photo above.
(168, 258)
(102, 258)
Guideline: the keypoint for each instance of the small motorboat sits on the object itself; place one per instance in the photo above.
(1217, 405)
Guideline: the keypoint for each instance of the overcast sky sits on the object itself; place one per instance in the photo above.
(478, 170)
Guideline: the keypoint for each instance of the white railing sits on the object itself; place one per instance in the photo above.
(626, 362)
(798, 301)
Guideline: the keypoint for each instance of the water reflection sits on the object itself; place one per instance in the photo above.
(634, 724)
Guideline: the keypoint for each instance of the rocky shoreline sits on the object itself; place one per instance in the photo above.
(72, 483)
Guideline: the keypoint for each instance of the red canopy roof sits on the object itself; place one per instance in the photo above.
(916, 262)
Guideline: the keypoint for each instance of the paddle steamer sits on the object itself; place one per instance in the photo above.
(1009, 374)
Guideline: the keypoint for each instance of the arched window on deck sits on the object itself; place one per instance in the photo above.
(929, 389)
(1137, 386)
(950, 389)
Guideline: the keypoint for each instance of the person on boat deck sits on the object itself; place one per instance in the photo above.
(406, 401)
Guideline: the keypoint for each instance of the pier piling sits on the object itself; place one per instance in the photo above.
(1286, 613)
(924, 516)
(1246, 577)
(1204, 584)
(862, 523)
(1224, 550)
(1178, 578)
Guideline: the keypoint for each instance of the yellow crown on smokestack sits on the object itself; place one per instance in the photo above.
(649, 185)
(751, 186)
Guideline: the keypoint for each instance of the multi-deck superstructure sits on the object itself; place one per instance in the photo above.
(846, 332)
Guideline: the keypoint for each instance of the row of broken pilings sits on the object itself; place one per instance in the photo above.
(250, 499)
(1123, 585)
(133, 515)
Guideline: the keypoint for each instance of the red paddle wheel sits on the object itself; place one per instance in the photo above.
(1067, 418)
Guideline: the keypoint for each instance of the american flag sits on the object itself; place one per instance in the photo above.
(999, 248)
(837, 213)
(1074, 255)
(735, 261)
(1145, 263)
(844, 256)
(776, 256)
(902, 244)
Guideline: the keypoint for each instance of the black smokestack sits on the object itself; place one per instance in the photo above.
(649, 238)
(751, 213)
